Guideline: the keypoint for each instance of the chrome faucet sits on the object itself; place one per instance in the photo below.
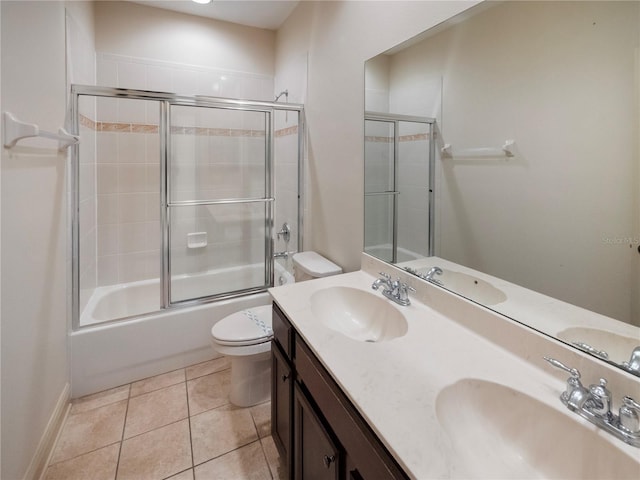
(393, 289)
(429, 275)
(594, 405)
(633, 365)
(281, 254)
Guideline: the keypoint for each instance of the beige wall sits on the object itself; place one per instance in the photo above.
(553, 218)
(145, 32)
(338, 38)
(34, 315)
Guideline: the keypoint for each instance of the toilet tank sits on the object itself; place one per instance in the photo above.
(309, 265)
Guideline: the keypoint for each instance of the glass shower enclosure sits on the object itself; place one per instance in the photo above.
(399, 158)
(175, 198)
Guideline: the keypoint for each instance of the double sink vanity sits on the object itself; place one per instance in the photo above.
(365, 387)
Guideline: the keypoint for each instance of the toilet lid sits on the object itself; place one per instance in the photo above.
(246, 327)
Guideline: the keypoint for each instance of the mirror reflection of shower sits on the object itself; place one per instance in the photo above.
(178, 199)
(398, 186)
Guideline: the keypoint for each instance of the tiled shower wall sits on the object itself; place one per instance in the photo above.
(208, 162)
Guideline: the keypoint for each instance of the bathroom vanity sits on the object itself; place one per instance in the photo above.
(441, 388)
(316, 428)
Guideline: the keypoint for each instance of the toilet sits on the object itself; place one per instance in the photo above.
(245, 337)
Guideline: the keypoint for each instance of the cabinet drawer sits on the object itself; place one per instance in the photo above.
(282, 331)
(370, 457)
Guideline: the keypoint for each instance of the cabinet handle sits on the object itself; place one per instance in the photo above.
(285, 378)
(328, 460)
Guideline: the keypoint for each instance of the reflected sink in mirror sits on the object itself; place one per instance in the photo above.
(618, 347)
(468, 286)
(358, 314)
(499, 432)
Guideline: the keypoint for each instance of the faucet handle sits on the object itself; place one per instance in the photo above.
(386, 276)
(628, 415)
(574, 372)
(589, 349)
(575, 396)
(601, 398)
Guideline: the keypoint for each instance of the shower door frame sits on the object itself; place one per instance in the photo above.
(165, 101)
(395, 119)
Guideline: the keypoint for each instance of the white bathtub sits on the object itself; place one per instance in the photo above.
(112, 354)
(386, 251)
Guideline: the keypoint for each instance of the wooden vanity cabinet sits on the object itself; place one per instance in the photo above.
(282, 386)
(327, 438)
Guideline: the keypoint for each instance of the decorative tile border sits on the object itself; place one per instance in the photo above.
(403, 138)
(117, 127)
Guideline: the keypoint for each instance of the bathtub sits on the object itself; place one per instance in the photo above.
(385, 252)
(106, 355)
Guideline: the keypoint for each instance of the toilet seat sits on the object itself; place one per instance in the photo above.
(244, 328)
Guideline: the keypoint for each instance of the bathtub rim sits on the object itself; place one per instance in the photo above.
(190, 303)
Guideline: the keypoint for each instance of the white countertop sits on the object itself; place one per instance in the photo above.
(549, 315)
(395, 384)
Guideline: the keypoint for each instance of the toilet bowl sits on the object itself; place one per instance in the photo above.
(245, 337)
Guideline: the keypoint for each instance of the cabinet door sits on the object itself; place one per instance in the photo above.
(281, 396)
(316, 455)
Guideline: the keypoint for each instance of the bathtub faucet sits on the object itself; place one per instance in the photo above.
(281, 255)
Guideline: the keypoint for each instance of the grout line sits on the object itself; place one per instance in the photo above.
(264, 454)
(226, 453)
(124, 424)
(189, 422)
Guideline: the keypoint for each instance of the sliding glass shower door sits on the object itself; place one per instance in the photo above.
(219, 201)
(399, 186)
(174, 199)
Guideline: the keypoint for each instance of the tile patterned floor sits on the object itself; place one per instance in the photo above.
(178, 425)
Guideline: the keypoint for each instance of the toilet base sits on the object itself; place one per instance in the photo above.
(250, 379)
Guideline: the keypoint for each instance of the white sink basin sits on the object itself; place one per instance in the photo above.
(470, 287)
(619, 347)
(358, 314)
(498, 432)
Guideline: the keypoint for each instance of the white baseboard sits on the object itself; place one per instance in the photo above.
(43, 453)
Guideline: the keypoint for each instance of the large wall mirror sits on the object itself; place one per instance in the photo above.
(521, 189)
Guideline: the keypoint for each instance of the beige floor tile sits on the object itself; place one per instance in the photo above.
(157, 454)
(99, 399)
(246, 463)
(156, 383)
(186, 475)
(279, 470)
(219, 431)
(88, 431)
(262, 418)
(210, 391)
(97, 465)
(156, 409)
(205, 368)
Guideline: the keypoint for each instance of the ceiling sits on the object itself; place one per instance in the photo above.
(269, 14)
